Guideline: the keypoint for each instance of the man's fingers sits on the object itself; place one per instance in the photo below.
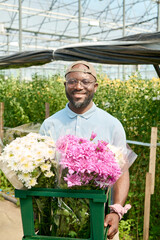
(106, 220)
(111, 232)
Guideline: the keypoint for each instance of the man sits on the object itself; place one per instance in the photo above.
(81, 117)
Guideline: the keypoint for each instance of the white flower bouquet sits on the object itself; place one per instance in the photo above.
(29, 161)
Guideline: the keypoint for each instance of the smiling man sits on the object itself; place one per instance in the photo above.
(80, 87)
(81, 117)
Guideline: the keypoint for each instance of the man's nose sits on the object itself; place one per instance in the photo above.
(79, 85)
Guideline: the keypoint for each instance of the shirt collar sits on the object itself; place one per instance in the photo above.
(85, 115)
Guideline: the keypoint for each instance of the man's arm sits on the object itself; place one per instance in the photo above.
(120, 193)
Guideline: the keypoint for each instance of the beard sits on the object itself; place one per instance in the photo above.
(80, 104)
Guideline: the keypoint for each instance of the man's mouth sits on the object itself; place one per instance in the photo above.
(78, 94)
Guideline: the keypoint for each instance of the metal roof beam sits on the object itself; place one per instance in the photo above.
(47, 33)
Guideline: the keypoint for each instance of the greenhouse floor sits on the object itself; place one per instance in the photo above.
(10, 221)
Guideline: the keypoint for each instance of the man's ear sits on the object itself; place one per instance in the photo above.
(95, 87)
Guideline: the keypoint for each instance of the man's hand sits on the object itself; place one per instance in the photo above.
(120, 192)
(111, 219)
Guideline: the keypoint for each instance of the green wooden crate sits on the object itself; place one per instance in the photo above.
(97, 200)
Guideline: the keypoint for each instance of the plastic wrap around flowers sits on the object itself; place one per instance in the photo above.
(26, 159)
(88, 163)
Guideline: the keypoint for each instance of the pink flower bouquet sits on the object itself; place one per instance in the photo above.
(88, 163)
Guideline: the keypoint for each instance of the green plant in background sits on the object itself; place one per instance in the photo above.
(4, 183)
(125, 228)
(14, 112)
(35, 94)
(25, 101)
(135, 102)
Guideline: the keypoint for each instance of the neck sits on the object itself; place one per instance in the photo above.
(80, 110)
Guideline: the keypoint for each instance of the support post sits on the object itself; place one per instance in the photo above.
(150, 182)
(79, 20)
(158, 16)
(1, 124)
(123, 33)
(47, 110)
(20, 34)
(156, 66)
(152, 162)
(20, 26)
(147, 206)
(124, 17)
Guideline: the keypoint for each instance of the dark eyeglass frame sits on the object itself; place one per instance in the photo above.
(84, 82)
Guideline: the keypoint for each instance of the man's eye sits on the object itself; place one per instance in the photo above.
(72, 81)
(85, 82)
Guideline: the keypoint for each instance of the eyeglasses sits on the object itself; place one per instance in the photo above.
(83, 82)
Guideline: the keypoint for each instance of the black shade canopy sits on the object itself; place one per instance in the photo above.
(26, 59)
(134, 49)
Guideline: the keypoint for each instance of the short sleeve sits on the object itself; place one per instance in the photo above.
(126, 155)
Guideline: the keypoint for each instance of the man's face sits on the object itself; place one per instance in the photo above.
(80, 88)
